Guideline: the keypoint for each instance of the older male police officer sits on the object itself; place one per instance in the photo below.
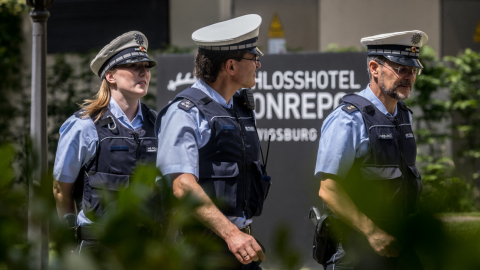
(366, 159)
(207, 137)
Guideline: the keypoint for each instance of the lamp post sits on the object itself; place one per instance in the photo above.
(38, 226)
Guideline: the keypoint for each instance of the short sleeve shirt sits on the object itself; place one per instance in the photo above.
(344, 138)
(182, 133)
(77, 146)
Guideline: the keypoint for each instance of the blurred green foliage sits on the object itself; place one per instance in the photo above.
(11, 63)
(448, 96)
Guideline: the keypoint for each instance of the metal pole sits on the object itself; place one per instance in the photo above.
(37, 225)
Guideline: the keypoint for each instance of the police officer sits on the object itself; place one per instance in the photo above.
(366, 159)
(207, 137)
(101, 143)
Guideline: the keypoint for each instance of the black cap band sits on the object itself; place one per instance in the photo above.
(129, 55)
(245, 45)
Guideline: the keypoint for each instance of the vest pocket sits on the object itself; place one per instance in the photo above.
(104, 190)
(109, 181)
(219, 180)
(414, 191)
(381, 194)
(261, 183)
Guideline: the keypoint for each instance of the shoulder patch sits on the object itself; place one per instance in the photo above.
(185, 104)
(349, 108)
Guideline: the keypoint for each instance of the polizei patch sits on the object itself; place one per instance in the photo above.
(385, 136)
(151, 149)
(409, 135)
(249, 128)
(118, 148)
(228, 127)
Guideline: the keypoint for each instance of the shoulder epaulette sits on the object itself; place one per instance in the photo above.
(349, 108)
(186, 104)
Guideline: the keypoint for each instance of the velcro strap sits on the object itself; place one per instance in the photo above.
(205, 100)
(369, 108)
(105, 121)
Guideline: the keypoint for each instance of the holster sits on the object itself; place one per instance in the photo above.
(323, 240)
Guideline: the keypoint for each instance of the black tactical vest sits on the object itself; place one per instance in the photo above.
(118, 151)
(385, 183)
(229, 168)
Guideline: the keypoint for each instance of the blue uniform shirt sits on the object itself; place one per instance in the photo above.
(187, 132)
(77, 145)
(344, 138)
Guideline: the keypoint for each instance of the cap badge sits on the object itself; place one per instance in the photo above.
(416, 38)
(142, 49)
(414, 49)
(138, 38)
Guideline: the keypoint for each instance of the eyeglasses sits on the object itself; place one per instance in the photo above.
(256, 59)
(403, 71)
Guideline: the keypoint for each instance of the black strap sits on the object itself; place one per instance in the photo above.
(105, 121)
(206, 100)
(369, 108)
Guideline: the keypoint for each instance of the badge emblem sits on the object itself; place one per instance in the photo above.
(142, 49)
(416, 38)
(385, 136)
(414, 49)
(138, 38)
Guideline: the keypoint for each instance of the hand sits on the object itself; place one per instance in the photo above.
(244, 247)
(383, 243)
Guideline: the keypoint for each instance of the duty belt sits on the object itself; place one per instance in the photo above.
(86, 233)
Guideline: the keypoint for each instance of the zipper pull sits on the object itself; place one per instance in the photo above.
(396, 123)
(137, 142)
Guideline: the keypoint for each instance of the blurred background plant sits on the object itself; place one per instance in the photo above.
(447, 95)
(447, 100)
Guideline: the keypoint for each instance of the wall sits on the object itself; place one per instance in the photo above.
(345, 22)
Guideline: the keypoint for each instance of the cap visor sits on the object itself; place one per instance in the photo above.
(255, 51)
(138, 59)
(405, 61)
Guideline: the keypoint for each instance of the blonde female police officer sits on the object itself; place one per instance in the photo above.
(100, 144)
(207, 137)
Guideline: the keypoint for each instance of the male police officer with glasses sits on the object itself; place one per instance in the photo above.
(366, 160)
(208, 144)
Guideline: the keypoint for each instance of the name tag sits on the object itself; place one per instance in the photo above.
(228, 127)
(385, 136)
(151, 149)
(409, 135)
(118, 148)
(249, 128)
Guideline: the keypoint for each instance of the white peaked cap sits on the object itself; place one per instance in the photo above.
(232, 35)
(400, 47)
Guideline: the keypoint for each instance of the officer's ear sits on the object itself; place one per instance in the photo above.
(110, 76)
(230, 66)
(374, 68)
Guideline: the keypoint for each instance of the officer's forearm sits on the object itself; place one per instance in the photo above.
(208, 213)
(337, 200)
(62, 192)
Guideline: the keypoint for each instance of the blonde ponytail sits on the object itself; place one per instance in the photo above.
(97, 106)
